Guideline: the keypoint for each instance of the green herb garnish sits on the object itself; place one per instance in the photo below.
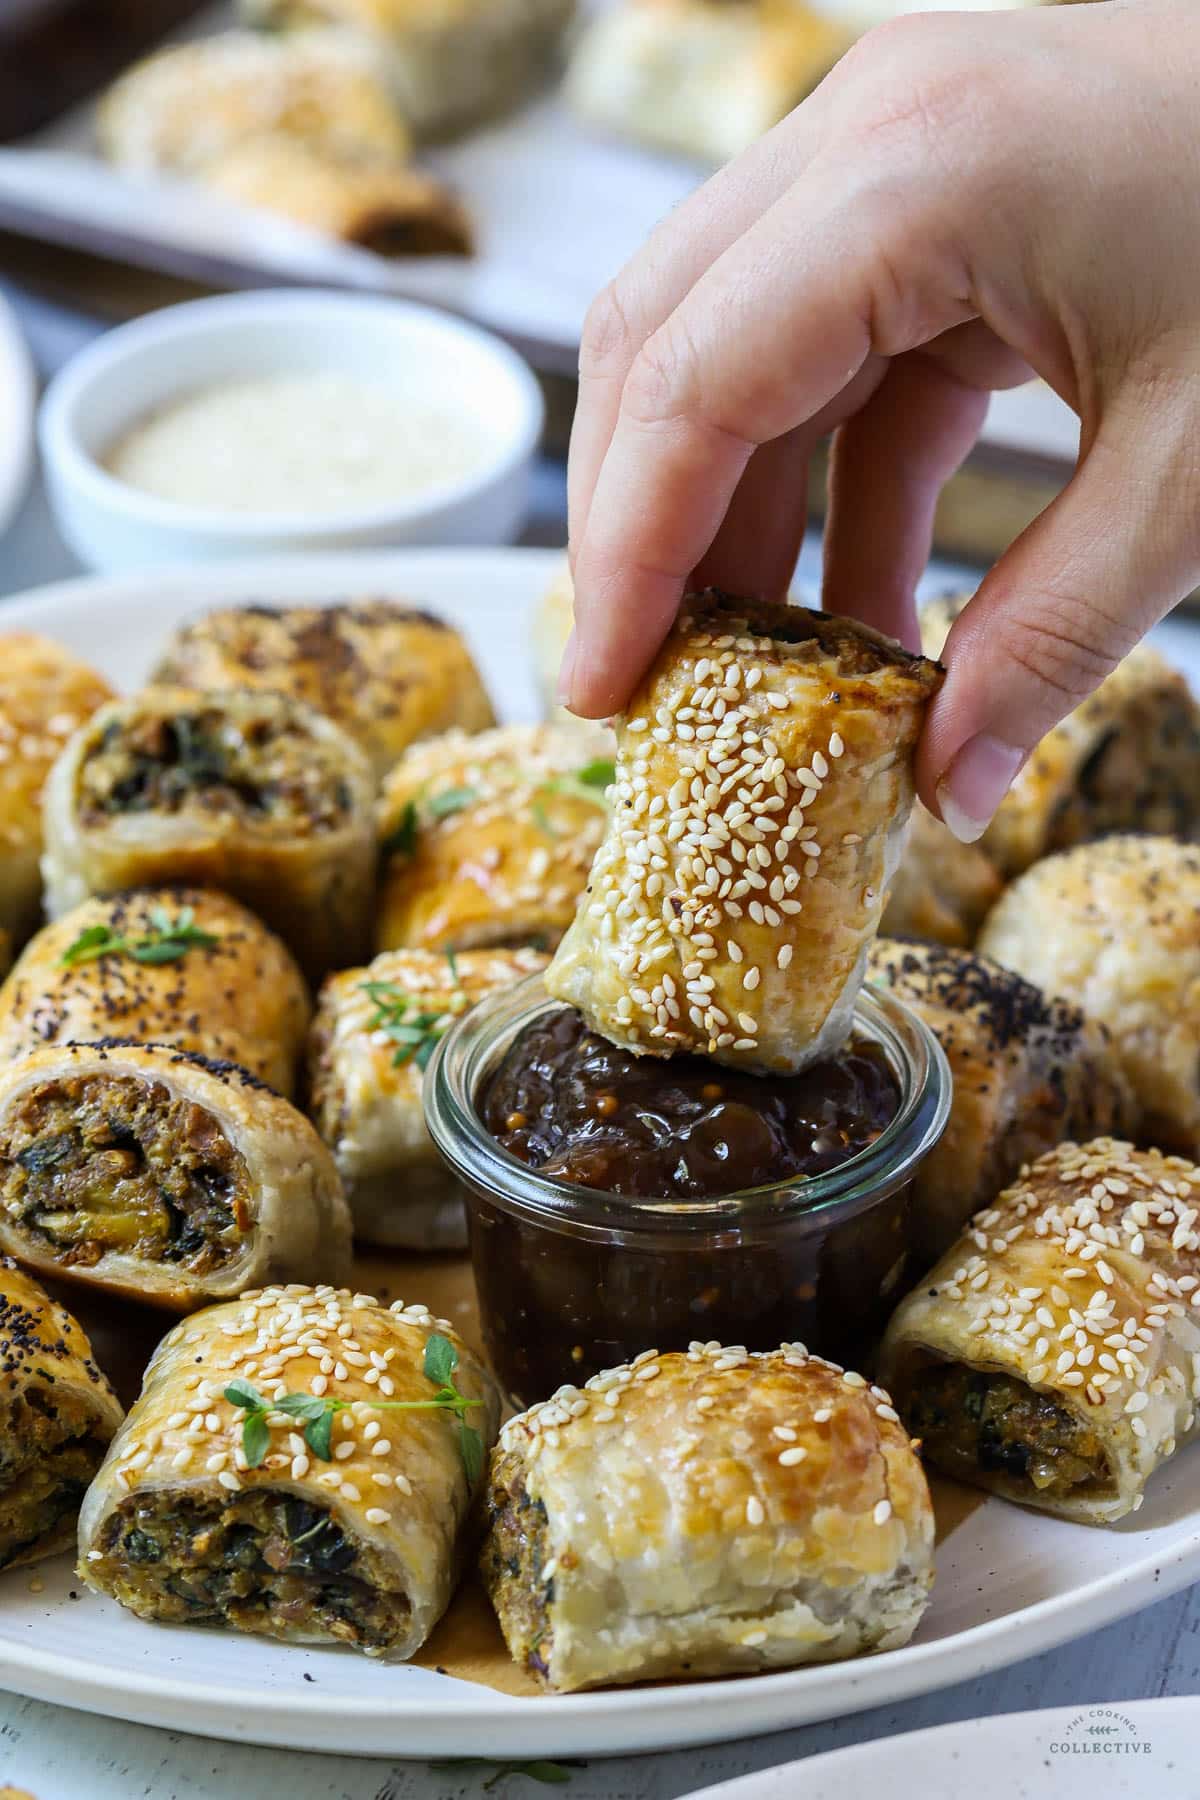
(317, 1411)
(414, 1031)
(601, 773)
(587, 784)
(401, 840)
(449, 801)
(166, 941)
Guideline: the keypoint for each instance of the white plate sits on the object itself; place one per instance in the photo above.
(18, 393)
(1126, 1751)
(1010, 1583)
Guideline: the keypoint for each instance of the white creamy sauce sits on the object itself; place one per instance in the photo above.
(318, 441)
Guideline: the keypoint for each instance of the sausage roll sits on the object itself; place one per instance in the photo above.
(763, 782)
(57, 1416)
(385, 673)
(1127, 759)
(252, 792)
(1115, 928)
(704, 78)
(45, 695)
(1029, 1072)
(1053, 1355)
(943, 889)
(272, 1477)
(183, 966)
(155, 1173)
(488, 840)
(706, 1513)
(373, 1033)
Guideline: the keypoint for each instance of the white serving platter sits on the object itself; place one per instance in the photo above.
(1010, 1583)
(18, 395)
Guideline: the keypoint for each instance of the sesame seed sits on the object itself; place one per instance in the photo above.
(754, 1511)
(375, 1515)
(882, 1512)
(797, 1454)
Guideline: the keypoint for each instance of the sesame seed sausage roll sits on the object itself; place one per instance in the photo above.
(707, 1513)
(1029, 1072)
(255, 793)
(272, 1477)
(57, 1416)
(154, 1173)
(373, 1032)
(763, 782)
(1115, 928)
(45, 695)
(385, 673)
(943, 889)
(1053, 1355)
(183, 966)
(488, 840)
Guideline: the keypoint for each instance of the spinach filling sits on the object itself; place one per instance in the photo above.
(972, 1424)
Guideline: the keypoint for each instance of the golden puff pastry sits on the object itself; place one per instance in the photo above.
(45, 695)
(763, 782)
(1127, 759)
(1115, 928)
(386, 673)
(488, 840)
(553, 623)
(179, 965)
(727, 1513)
(57, 1416)
(1053, 1355)
(1029, 1072)
(248, 791)
(345, 1524)
(943, 889)
(701, 77)
(159, 1175)
(373, 1032)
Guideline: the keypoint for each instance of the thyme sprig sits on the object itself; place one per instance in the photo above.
(165, 942)
(589, 784)
(412, 1028)
(316, 1412)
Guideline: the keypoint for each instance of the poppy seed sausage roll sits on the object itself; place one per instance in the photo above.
(763, 782)
(153, 1172)
(1053, 1355)
(255, 793)
(706, 1513)
(57, 1416)
(183, 966)
(290, 1470)
(943, 889)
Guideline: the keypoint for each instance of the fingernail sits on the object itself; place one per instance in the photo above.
(975, 784)
(566, 673)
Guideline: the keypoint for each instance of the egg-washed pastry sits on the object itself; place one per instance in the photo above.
(1126, 759)
(451, 64)
(706, 1513)
(176, 965)
(701, 77)
(159, 1175)
(252, 792)
(373, 1032)
(1053, 1355)
(385, 672)
(57, 1416)
(552, 625)
(763, 782)
(1029, 1072)
(488, 840)
(45, 695)
(1115, 928)
(341, 1522)
(943, 889)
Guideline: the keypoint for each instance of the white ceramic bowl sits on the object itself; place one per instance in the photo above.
(137, 368)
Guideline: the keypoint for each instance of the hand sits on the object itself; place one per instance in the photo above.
(963, 201)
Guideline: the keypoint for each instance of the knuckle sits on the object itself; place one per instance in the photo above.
(608, 342)
(916, 89)
(661, 382)
(1066, 650)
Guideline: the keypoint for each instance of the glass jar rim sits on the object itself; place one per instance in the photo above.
(471, 1051)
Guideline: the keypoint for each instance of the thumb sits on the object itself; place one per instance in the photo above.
(1114, 552)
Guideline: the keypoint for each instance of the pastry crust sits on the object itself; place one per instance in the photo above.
(57, 1416)
(763, 783)
(158, 1175)
(45, 695)
(1029, 1072)
(730, 1513)
(252, 792)
(238, 998)
(1115, 928)
(943, 889)
(1074, 1296)
(386, 673)
(360, 1548)
(365, 1085)
(701, 77)
(553, 623)
(487, 840)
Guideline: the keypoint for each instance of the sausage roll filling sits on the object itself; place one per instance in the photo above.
(973, 1423)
